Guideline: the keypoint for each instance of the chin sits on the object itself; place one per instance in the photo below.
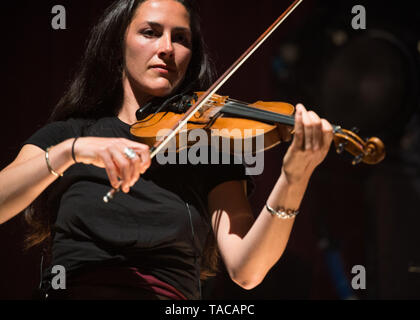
(162, 91)
(159, 86)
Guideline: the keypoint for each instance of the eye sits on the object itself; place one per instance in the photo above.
(148, 33)
(182, 39)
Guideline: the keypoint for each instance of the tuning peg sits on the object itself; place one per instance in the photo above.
(340, 147)
(357, 159)
(355, 130)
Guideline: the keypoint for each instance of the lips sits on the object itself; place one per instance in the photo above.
(162, 67)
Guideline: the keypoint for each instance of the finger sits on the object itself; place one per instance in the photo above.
(307, 130)
(141, 161)
(143, 151)
(285, 132)
(134, 162)
(298, 138)
(327, 133)
(146, 160)
(137, 165)
(111, 170)
(317, 138)
(124, 168)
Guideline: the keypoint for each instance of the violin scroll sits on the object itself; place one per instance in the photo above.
(371, 151)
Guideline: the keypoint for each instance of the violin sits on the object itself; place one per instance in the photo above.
(211, 112)
(240, 122)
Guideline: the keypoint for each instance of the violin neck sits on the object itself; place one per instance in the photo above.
(242, 110)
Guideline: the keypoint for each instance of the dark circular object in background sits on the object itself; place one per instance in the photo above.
(372, 83)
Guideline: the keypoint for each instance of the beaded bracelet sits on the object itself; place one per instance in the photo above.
(47, 159)
(282, 213)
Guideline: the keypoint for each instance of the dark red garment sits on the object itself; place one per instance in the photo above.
(117, 283)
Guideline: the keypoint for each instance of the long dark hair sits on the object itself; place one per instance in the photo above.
(96, 91)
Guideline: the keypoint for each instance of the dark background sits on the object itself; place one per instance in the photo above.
(364, 215)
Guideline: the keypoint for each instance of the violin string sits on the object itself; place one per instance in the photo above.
(238, 106)
(336, 128)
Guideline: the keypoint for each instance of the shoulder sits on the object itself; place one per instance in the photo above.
(71, 125)
(55, 132)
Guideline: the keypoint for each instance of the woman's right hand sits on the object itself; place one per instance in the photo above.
(108, 153)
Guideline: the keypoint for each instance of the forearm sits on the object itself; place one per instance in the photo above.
(250, 248)
(266, 240)
(22, 183)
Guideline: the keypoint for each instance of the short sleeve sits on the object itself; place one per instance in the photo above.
(52, 134)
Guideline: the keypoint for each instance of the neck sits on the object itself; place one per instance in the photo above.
(131, 103)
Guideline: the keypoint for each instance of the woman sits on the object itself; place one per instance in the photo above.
(153, 240)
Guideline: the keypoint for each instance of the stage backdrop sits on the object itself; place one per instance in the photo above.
(351, 216)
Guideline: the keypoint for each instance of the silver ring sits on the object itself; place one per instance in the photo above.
(130, 153)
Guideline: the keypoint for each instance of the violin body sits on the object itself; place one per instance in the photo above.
(220, 128)
(244, 128)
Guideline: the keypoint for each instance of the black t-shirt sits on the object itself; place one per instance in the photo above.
(160, 226)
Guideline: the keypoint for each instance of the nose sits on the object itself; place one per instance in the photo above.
(166, 48)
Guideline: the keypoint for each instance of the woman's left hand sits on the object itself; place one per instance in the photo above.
(310, 145)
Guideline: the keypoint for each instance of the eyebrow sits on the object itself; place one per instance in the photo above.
(156, 24)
